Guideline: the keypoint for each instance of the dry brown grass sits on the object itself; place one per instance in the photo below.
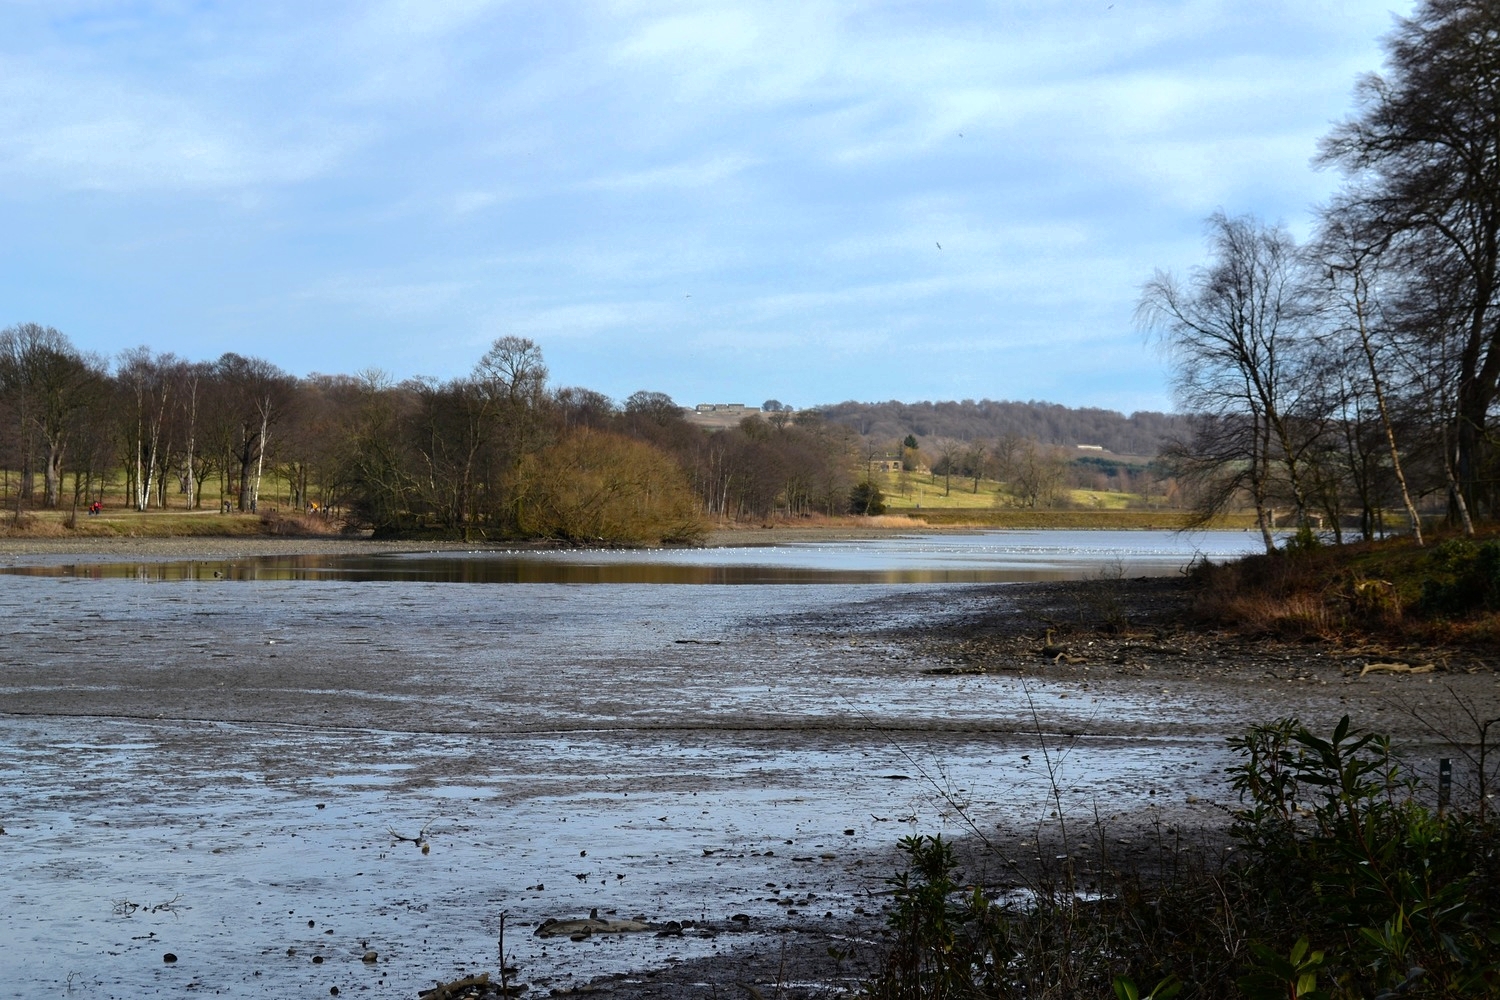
(28, 525)
(119, 522)
(1381, 590)
(301, 525)
(1292, 616)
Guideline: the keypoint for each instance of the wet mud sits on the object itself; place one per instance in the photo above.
(269, 779)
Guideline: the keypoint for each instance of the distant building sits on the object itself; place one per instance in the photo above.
(723, 408)
(1089, 447)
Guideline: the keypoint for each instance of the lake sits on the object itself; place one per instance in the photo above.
(214, 759)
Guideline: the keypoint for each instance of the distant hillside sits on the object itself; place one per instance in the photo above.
(1141, 433)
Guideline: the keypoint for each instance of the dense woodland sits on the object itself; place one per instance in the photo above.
(1358, 373)
(498, 453)
(1142, 434)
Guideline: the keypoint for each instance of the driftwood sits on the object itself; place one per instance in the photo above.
(478, 987)
(1397, 668)
(450, 991)
(579, 929)
(420, 840)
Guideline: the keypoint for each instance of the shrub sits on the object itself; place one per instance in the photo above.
(866, 498)
(1465, 578)
(597, 488)
(1343, 885)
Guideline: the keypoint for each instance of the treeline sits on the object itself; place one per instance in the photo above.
(1359, 372)
(495, 454)
(1140, 434)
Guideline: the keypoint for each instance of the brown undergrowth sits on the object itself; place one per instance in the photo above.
(1447, 592)
(125, 523)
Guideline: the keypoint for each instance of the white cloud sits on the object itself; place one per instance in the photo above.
(695, 173)
(441, 172)
(109, 135)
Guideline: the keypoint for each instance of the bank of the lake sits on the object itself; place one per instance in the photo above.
(116, 525)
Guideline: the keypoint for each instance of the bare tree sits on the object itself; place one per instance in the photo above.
(656, 407)
(1234, 333)
(1423, 157)
(947, 452)
(148, 381)
(1038, 475)
(975, 459)
(580, 407)
(250, 395)
(53, 385)
(1353, 268)
(511, 381)
(513, 368)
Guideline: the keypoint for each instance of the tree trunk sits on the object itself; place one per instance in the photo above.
(192, 430)
(260, 458)
(52, 475)
(1456, 498)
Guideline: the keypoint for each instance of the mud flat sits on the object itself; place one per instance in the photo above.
(243, 773)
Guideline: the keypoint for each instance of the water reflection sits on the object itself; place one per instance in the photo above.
(977, 557)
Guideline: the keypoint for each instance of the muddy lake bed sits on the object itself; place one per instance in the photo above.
(235, 760)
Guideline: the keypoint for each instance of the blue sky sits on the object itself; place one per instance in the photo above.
(814, 200)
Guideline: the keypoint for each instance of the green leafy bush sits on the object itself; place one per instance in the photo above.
(1465, 578)
(1343, 884)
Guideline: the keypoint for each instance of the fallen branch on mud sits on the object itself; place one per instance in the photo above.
(1397, 668)
(420, 839)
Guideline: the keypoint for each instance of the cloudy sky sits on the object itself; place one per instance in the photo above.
(808, 200)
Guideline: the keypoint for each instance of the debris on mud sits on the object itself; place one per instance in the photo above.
(479, 987)
(1098, 629)
(580, 929)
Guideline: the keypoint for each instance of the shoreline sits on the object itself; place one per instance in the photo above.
(98, 548)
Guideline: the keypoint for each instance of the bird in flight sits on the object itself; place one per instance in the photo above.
(939, 246)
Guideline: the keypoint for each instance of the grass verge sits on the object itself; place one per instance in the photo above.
(119, 523)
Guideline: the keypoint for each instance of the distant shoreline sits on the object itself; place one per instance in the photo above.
(104, 547)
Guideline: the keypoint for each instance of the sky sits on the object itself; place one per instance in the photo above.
(803, 200)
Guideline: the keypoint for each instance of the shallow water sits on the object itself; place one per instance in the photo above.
(976, 557)
(203, 765)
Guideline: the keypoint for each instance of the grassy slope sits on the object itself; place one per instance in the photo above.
(952, 503)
